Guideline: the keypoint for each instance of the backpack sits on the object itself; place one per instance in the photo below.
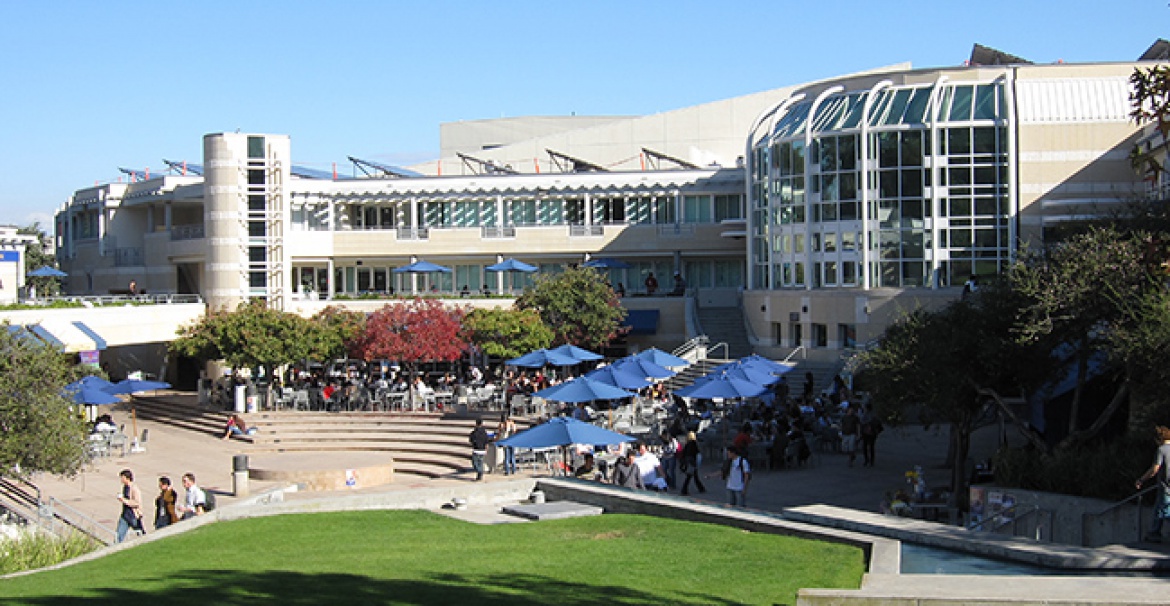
(208, 500)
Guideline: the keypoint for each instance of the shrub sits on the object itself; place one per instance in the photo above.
(1104, 471)
(32, 549)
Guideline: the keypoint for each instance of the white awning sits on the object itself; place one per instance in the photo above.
(69, 337)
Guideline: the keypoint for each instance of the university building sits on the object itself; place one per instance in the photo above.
(812, 215)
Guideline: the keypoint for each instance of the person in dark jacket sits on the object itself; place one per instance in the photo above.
(625, 473)
(479, 442)
(690, 464)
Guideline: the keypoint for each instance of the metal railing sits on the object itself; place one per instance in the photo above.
(506, 231)
(1025, 521)
(98, 300)
(61, 516)
(694, 349)
(187, 232)
(52, 516)
(799, 350)
(1135, 499)
(128, 257)
(586, 230)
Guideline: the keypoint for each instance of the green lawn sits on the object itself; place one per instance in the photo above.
(418, 557)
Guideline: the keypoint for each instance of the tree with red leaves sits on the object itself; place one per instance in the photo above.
(422, 330)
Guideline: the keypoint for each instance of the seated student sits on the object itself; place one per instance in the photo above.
(237, 427)
(586, 470)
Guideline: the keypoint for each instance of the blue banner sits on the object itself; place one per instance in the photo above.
(10, 256)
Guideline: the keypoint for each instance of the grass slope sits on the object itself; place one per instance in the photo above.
(418, 557)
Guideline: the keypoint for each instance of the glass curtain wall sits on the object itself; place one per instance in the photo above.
(932, 202)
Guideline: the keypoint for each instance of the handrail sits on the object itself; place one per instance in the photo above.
(693, 345)
(1085, 517)
(799, 349)
(1017, 515)
(80, 521)
(726, 350)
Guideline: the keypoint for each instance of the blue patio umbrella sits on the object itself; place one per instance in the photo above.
(772, 365)
(563, 431)
(606, 263)
(749, 373)
(512, 265)
(582, 389)
(136, 386)
(721, 386)
(422, 267)
(581, 355)
(541, 358)
(90, 390)
(758, 374)
(625, 378)
(45, 271)
(644, 367)
(662, 358)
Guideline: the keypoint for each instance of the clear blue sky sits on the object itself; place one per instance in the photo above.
(89, 86)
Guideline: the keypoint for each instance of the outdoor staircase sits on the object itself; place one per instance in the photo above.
(726, 325)
(421, 444)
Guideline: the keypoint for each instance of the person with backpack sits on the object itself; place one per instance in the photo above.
(195, 503)
(738, 474)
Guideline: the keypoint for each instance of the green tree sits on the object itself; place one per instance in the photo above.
(40, 428)
(941, 365)
(506, 333)
(1078, 291)
(252, 336)
(336, 329)
(578, 305)
(36, 256)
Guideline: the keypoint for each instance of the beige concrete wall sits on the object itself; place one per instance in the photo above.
(118, 325)
(870, 311)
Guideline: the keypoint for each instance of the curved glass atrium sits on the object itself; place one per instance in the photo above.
(896, 186)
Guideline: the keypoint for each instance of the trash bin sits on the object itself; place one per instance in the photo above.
(241, 400)
(240, 462)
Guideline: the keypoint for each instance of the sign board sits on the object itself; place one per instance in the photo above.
(9, 256)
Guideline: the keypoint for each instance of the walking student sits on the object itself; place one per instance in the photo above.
(131, 500)
(1161, 470)
(479, 442)
(165, 513)
(738, 473)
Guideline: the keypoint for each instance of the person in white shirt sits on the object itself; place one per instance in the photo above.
(739, 474)
(650, 469)
(195, 501)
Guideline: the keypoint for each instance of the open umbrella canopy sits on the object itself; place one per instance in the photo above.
(563, 431)
(721, 386)
(541, 358)
(90, 390)
(136, 386)
(644, 367)
(45, 271)
(581, 355)
(606, 263)
(747, 372)
(512, 265)
(582, 389)
(662, 358)
(625, 378)
(773, 366)
(421, 267)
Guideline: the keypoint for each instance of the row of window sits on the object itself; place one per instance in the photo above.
(527, 212)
